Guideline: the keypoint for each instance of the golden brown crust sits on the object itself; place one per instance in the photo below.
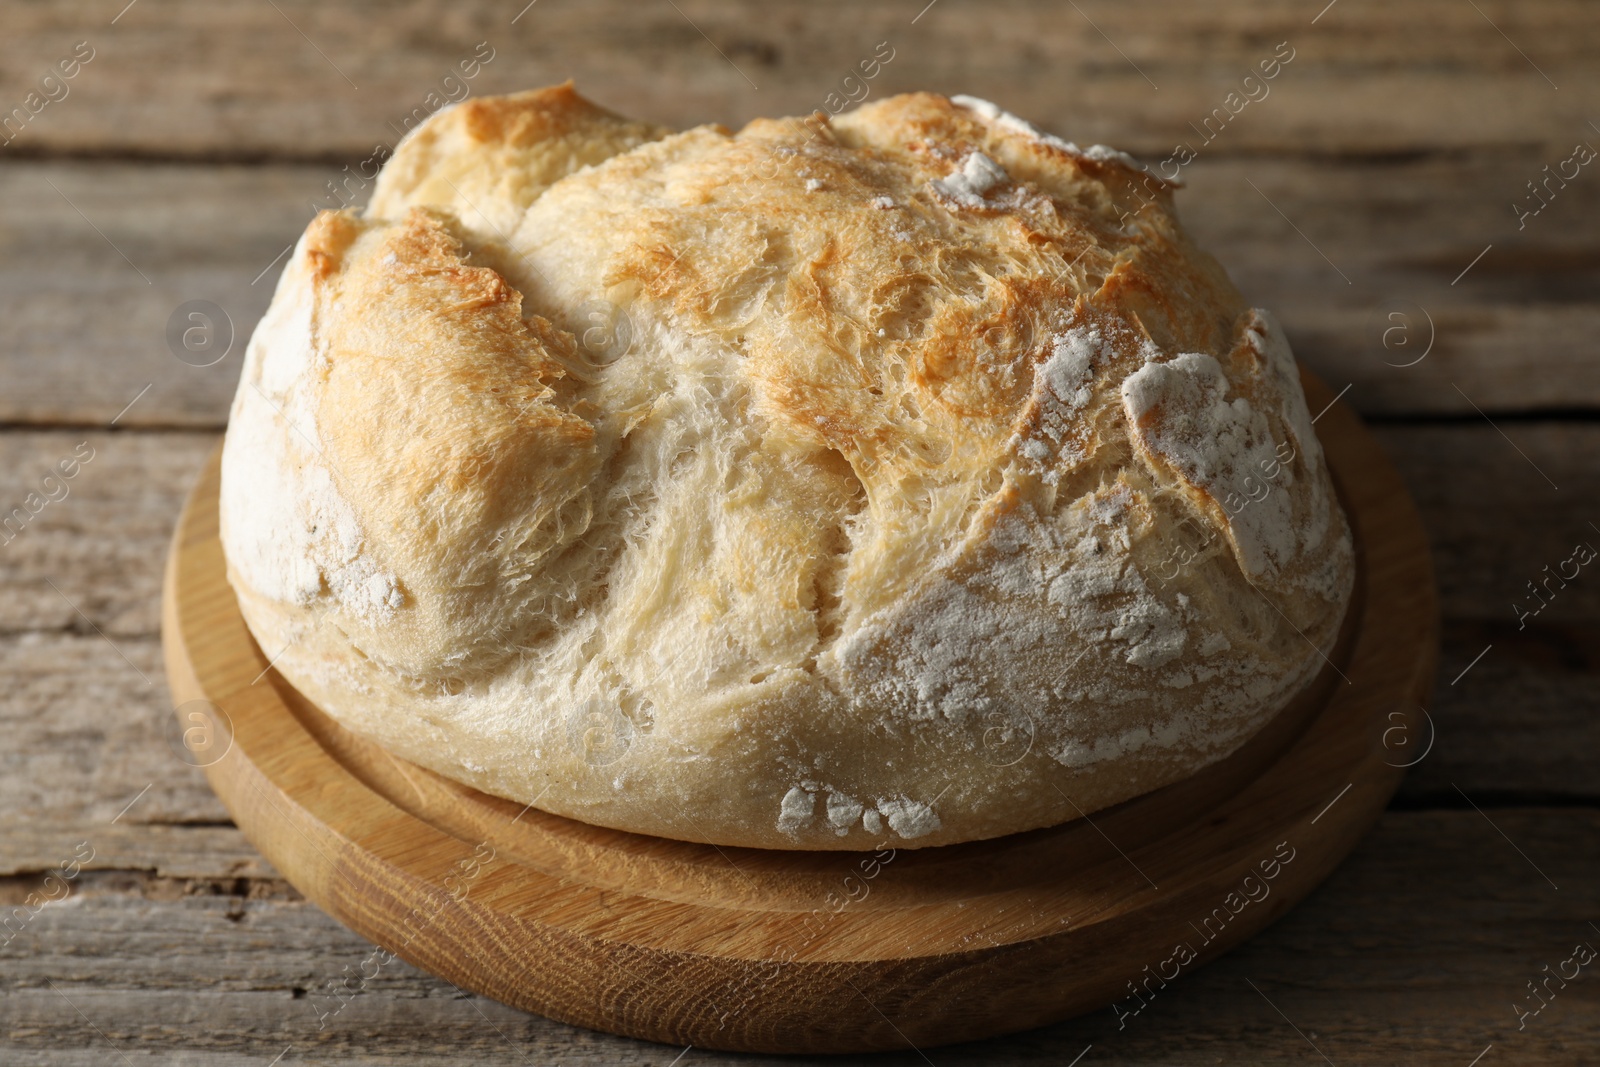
(327, 238)
(439, 410)
(529, 118)
(486, 159)
(926, 483)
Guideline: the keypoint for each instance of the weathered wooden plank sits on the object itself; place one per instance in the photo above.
(327, 81)
(1415, 951)
(83, 330)
(96, 259)
(86, 738)
(174, 851)
(93, 757)
(1501, 504)
(1375, 272)
(103, 543)
(1523, 723)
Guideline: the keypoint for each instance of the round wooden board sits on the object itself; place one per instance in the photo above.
(776, 951)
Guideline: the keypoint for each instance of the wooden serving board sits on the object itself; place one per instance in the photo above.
(776, 951)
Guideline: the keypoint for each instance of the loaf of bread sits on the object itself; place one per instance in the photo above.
(906, 477)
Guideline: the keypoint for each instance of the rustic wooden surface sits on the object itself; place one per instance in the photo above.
(1395, 143)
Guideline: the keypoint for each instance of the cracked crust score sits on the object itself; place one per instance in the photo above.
(902, 478)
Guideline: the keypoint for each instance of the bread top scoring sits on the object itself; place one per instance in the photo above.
(895, 423)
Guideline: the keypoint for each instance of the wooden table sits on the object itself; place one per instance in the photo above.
(1371, 198)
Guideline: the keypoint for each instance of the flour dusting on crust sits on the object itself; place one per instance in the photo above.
(968, 184)
(1004, 119)
(292, 536)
